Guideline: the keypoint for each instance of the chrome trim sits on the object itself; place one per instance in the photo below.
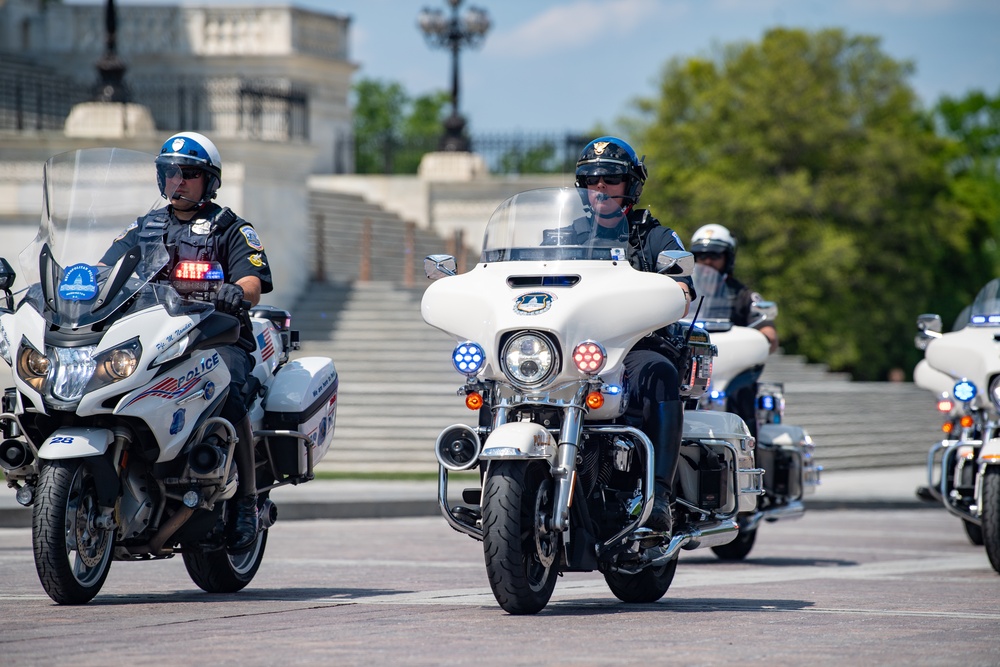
(707, 535)
(471, 531)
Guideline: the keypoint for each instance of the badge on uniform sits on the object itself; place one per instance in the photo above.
(251, 236)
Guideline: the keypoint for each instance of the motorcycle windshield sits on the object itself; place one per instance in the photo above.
(717, 301)
(985, 309)
(556, 224)
(90, 198)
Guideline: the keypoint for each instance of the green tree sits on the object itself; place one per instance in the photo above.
(392, 131)
(812, 149)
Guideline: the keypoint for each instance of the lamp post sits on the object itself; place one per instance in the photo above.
(111, 87)
(453, 34)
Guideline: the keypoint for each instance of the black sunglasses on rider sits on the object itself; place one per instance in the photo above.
(609, 179)
(187, 173)
(707, 255)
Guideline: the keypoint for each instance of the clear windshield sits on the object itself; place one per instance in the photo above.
(986, 307)
(556, 224)
(710, 285)
(90, 197)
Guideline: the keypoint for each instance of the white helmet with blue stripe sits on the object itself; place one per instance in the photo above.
(190, 149)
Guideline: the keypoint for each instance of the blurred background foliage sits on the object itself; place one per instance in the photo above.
(855, 208)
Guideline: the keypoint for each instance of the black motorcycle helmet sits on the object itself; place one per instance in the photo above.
(608, 156)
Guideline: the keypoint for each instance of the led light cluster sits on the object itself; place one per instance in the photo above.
(589, 357)
(964, 391)
(468, 358)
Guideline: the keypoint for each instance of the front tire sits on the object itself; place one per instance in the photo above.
(72, 555)
(974, 532)
(645, 587)
(522, 556)
(221, 572)
(739, 548)
(991, 515)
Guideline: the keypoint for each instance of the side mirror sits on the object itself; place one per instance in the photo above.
(928, 328)
(440, 266)
(765, 310)
(675, 263)
(7, 275)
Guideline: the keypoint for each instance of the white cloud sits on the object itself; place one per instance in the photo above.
(577, 24)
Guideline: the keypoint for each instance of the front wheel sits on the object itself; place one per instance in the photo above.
(991, 515)
(644, 587)
(220, 572)
(739, 548)
(72, 554)
(521, 553)
(974, 531)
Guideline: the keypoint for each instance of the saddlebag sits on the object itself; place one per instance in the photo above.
(717, 472)
(785, 454)
(302, 398)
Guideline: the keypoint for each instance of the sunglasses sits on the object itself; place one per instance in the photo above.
(187, 173)
(609, 179)
(708, 255)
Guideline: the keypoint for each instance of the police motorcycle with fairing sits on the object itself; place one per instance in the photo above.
(542, 325)
(962, 369)
(112, 431)
(784, 451)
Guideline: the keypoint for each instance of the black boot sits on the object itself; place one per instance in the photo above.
(244, 522)
(666, 421)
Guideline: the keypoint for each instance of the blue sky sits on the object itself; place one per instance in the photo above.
(557, 65)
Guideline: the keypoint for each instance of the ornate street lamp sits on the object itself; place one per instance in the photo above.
(110, 68)
(453, 34)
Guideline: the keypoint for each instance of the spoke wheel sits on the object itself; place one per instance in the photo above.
(522, 554)
(72, 555)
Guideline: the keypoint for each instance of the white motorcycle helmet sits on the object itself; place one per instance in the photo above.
(715, 239)
(190, 149)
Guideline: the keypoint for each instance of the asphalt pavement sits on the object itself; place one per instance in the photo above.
(871, 488)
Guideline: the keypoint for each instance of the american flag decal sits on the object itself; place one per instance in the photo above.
(167, 388)
(265, 345)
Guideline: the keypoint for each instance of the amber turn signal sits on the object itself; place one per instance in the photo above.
(595, 400)
(473, 401)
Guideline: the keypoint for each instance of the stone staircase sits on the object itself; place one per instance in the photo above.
(398, 390)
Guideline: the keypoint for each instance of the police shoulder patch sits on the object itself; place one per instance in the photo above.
(134, 225)
(251, 237)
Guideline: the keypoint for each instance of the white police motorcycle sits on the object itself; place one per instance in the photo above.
(542, 325)
(962, 369)
(111, 432)
(784, 451)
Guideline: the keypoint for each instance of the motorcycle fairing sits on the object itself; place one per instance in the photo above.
(739, 348)
(972, 353)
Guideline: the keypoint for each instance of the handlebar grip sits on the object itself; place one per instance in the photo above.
(245, 305)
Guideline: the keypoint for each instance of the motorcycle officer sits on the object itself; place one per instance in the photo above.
(189, 173)
(713, 245)
(613, 176)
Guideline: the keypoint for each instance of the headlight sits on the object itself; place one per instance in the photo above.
(589, 357)
(468, 358)
(529, 359)
(72, 368)
(118, 363)
(995, 391)
(964, 390)
(32, 366)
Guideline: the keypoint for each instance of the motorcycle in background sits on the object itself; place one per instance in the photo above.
(112, 431)
(784, 451)
(542, 326)
(962, 369)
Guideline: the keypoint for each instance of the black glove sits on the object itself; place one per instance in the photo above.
(228, 299)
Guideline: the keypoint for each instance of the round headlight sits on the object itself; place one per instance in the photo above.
(995, 391)
(122, 363)
(529, 359)
(37, 363)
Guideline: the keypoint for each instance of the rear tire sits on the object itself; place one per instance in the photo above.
(220, 572)
(72, 555)
(522, 558)
(975, 532)
(991, 515)
(645, 587)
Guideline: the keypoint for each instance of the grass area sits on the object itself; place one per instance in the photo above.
(397, 476)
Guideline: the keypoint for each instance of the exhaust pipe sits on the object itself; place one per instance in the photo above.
(14, 454)
(458, 447)
(268, 514)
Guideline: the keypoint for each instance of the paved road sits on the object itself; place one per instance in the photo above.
(899, 587)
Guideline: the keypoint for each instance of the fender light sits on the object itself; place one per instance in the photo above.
(468, 358)
(589, 357)
(188, 277)
(964, 390)
(947, 427)
(990, 458)
(595, 400)
(966, 421)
